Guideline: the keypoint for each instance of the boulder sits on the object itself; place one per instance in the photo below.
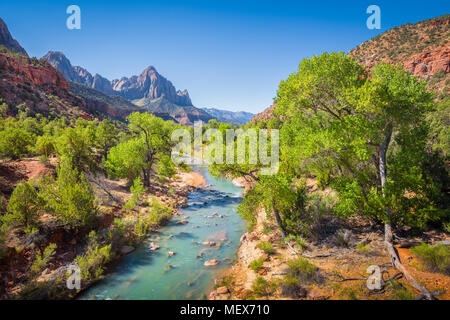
(154, 246)
(222, 290)
(171, 253)
(126, 250)
(212, 263)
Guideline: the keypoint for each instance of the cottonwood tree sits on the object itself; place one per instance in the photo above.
(150, 140)
(354, 131)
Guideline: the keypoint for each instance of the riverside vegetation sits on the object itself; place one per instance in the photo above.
(70, 214)
(374, 147)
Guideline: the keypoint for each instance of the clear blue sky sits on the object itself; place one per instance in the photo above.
(228, 54)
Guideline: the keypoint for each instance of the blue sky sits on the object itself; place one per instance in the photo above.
(228, 54)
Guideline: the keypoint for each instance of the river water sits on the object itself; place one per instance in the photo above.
(146, 274)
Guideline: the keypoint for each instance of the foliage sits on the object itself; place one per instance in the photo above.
(262, 287)
(257, 264)
(91, 263)
(434, 258)
(151, 140)
(42, 259)
(266, 247)
(23, 206)
(70, 197)
(137, 190)
(15, 142)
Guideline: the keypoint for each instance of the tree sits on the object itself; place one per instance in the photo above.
(106, 137)
(151, 140)
(70, 197)
(24, 205)
(15, 142)
(343, 124)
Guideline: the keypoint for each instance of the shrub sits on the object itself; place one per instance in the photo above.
(262, 287)
(24, 204)
(42, 259)
(299, 270)
(266, 247)
(70, 197)
(434, 258)
(300, 241)
(256, 264)
(137, 190)
(92, 261)
(361, 247)
(15, 142)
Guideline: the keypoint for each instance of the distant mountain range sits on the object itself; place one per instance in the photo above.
(75, 89)
(237, 118)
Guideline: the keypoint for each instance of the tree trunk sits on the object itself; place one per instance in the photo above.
(387, 226)
(278, 219)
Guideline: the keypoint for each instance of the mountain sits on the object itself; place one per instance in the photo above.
(39, 86)
(422, 48)
(8, 41)
(186, 115)
(150, 85)
(236, 118)
(264, 115)
(150, 90)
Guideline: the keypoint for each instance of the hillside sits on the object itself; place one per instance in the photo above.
(38, 87)
(422, 48)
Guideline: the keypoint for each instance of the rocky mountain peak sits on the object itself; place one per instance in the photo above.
(8, 41)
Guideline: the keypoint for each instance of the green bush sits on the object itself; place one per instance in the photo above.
(301, 270)
(23, 205)
(434, 258)
(70, 197)
(15, 142)
(42, 258)
(256, 264)
(266, 247)
(137, 190)
(361, 247)
(91, 263)
(262, 287)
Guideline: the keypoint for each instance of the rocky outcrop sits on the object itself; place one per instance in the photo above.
(8, 41)
(77, 74)
(265, 115)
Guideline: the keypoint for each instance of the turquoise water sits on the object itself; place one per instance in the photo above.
(145, 274)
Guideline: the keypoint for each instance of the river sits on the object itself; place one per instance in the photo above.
(153, 275)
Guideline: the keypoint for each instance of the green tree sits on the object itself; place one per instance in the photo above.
(357, 129)
(106, 137)
(70, 197)
(151, 140)
(24, 205)
(15, 142)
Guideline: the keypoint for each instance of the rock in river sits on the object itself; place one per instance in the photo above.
(212, 263)
(126, 250)
(154, 246)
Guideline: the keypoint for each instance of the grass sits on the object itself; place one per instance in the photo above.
(262, 287)
(256, 265)
(399, 292)
(226, 281)
(302, 269)
(300, 241)
(362, 247)
(266, 247)
(434, 258)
